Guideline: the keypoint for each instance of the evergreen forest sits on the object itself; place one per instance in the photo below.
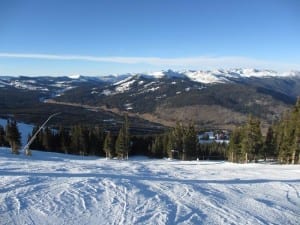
(247, 144)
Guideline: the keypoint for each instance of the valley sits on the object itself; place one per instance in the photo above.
(218, 99)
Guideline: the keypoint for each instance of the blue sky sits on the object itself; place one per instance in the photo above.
(55, 37)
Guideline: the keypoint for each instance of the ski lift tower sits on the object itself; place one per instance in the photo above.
(26, 147)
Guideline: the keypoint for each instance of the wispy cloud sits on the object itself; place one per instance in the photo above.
(201, 61)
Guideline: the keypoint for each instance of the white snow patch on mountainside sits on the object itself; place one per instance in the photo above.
(50, 188)
(204, 77)
(220, 76)
(74, 76)
(159, 74)
(122, 87)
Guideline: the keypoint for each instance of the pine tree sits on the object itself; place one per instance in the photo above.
(109, 145)
(252, 140)
(120, 145)
(123, 140)
(235, 145)
(99, 140)
(13, 136)
(190, 142)
(92, 140)
(171, 151)
(279, 141)
(65, 140)
(126, 136)
(297, 141)
(178, 134)
(287, 151)
(165, 140)
(269, 144)
(3, 141)
(75, 143)
(295, 122)
(47, 138)
(83, 141)
(157, 147)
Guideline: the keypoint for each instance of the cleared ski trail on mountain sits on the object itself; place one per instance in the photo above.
(52, 188)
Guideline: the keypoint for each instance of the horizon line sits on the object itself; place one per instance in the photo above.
(213, 62)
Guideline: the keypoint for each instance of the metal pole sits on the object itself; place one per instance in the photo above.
(26, 147)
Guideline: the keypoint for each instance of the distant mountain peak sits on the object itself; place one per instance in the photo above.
(75, 76)
(218, 75)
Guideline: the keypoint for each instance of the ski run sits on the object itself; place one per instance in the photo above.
(50, 188)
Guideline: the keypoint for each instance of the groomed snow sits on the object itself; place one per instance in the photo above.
(59, 189)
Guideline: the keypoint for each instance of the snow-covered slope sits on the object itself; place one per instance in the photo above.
(153, 81)
(221, 76)
(203, 77)
(59, 189)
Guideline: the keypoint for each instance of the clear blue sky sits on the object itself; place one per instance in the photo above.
(62, 37)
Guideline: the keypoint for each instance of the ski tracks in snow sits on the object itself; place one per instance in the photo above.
(142, 191)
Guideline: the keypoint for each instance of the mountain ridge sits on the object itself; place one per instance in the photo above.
(220, 98)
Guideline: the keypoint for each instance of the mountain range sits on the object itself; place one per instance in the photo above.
(210, 99)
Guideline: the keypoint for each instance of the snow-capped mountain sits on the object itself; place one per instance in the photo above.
(214, 97)
(204, 77)
(221, 76)
(152, 81)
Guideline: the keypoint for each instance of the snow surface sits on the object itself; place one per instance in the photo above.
(50, 188)
(124, 86)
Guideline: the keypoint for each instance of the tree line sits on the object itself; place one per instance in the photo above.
(182, 142)
(84, 140)
(79, 139)
(247, 144)
(281, 143)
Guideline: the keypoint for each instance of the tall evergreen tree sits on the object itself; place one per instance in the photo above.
(83, 140)
(75, 141)
(109, 145)
(120, 145)
(157, 149)
(65, 139)
(99, 140)
(126, 135)
(171, 151)
(123, 140)
(38, 141)
(178, 134)
(296, 145)
(285, 153)
(190, 142)
(252, 140)
(92, 139)
(269, 149)
(165, 144)
(295, 123)
(234, 152)
(3, 141)
(13, 136)
(47, 138)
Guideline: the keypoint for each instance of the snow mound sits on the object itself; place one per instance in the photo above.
(50, 188)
